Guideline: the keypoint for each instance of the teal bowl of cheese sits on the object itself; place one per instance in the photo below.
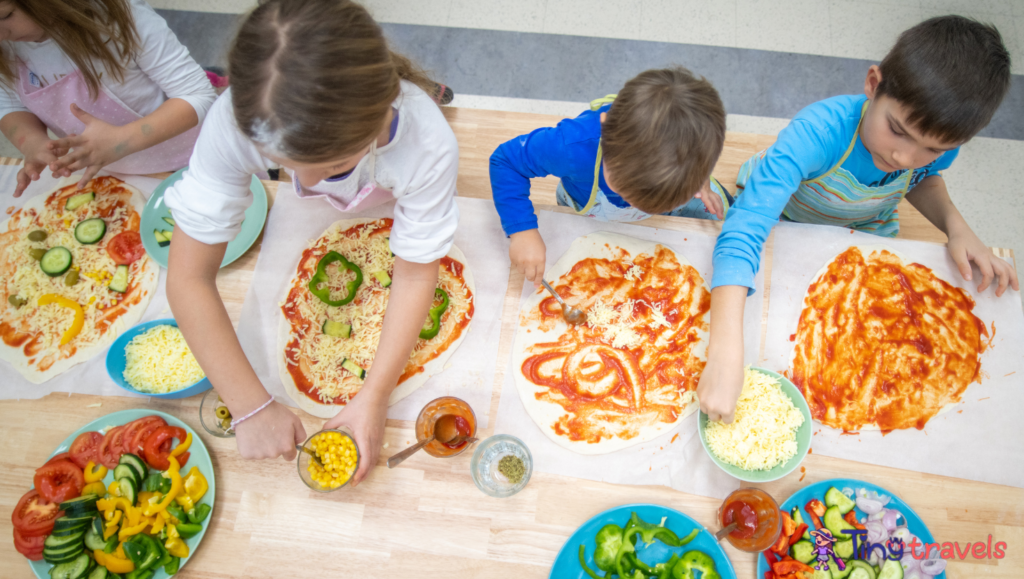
(771, 434)
(158, 364)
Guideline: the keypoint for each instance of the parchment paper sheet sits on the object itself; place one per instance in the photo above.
(89, 377)
(675, 459)
(984, 441)
(293, 222)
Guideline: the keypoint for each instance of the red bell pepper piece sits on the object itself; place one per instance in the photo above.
(798, 533)
(816, 509)
(770, 557)
(787, 523)
(787, 567)
(781, 546)
(851, 518)
(769, 575)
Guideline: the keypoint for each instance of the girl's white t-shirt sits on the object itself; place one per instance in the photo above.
(163, 69)
(419, 166)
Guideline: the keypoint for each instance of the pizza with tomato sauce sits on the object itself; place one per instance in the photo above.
(630, 372)
(73, 276)
(333, 313)
(883, 343)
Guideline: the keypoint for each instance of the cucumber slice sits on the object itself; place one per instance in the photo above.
(69, 531)
(119, 283)
(137, 465)
(861, 573)
(123, 471)
(803, 551)
(835, 498)
(844, 549)
(90, 231)
(161, 239)
(129, 489)
(55, 261)
(819, 574)
(75, 569)
(336, 329)
(383, 278)
(64, 523)
(61, 543)
(93, 540)
(99, 573)
(168, 221)
(76, 201)
(836, 573)
(84, 502)
(63, 558)
(97, 526)
(354, 368)
(834, 522)
(891, 570)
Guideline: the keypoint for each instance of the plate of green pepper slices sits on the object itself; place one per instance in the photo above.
(199, 458)
(642, 541)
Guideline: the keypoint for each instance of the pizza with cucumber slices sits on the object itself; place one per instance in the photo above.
(333, 313)
(73, 276)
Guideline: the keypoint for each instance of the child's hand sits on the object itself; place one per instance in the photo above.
(965, 247)
(528, 254)
(720, 386)
(365, 415)
(712, 201)
(99, 145)
(39, 153)
(271, 432)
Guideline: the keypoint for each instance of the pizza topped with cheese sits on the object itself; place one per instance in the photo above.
(629, 373)
(74, 276)
(884, 344)
(333, 314)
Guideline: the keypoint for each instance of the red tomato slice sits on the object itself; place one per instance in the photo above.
(158, 446)
(147, 425)
(108, 453)
(59, 481)
(34, 515)
(30, 547)
(85, 448)
(125, 247)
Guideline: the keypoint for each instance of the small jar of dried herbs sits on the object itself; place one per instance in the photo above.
(512, 468)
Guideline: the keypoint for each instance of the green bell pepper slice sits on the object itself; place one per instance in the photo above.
(199, 513)
(609, 543)
(177, 512)
(583, 563)
(189, 530)
(172, 567)
(695, 561)
(320, 279)
(435, 315)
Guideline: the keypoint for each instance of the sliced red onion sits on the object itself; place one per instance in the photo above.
(848, 492)
(876, 532)
(877, 516)
(890, 518)
(933, 567)
(909, 562)
(873, 495)
(869, 505)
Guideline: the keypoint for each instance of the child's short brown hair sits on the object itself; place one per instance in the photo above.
(951, 73)
(661, 138)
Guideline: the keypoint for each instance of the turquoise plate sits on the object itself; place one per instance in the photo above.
(817, 491)
(803, 437)
(200, 457)
(156, 210)
(567, 564)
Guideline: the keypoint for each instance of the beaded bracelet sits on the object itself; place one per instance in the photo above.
(237, 421)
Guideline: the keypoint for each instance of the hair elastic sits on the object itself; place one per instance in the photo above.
(237, 421)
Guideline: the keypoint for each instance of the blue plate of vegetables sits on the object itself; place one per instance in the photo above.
(850, 504)
(642, 541)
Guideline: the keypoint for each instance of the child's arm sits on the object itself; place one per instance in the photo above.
(192, 293)
(931, 198)
(412, 292)
(513, 164)
(722, 379)
(26, 132)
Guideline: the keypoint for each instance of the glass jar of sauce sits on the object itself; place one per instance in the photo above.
(757, 516)
(465, 423)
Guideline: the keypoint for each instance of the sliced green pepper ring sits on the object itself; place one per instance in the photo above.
(435, 315)
(320, 278)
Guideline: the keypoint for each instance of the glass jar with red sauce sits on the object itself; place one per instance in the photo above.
(757, 516)
(465, 422)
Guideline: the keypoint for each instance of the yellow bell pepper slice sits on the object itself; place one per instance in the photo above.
(176, 486)
(127, 531)
(112, 563)
(196, 485)
(176, 547)
(158, 523)
(185, 501)
(94, 472)
(76, 325)
(183, 447)
(114, 489)
(95, 488)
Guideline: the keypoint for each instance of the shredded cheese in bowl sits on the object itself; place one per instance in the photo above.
(763, 433)
(158, 361)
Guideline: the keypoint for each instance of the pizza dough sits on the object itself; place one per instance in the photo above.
(426, 360)
(629, 374)
(883, 343)
(35, 353)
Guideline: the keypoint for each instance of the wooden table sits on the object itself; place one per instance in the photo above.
(426, 519)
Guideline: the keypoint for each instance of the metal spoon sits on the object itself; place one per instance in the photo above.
(728, 529)
(572, 315)
(445, 431)
(313, 456)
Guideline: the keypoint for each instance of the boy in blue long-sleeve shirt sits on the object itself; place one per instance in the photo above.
(651, 151)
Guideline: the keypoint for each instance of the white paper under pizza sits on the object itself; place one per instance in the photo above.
(411, 384)
(545, 414)
(83, 373)
(977, 439)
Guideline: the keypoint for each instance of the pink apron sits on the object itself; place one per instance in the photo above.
(357, 192)
(52, 104)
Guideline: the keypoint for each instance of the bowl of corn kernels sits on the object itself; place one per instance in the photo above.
(338, 455)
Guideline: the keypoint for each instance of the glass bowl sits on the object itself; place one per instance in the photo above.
(769, 520)
(436, 409)
(484, 465)
(208, 415)
(304, 459)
